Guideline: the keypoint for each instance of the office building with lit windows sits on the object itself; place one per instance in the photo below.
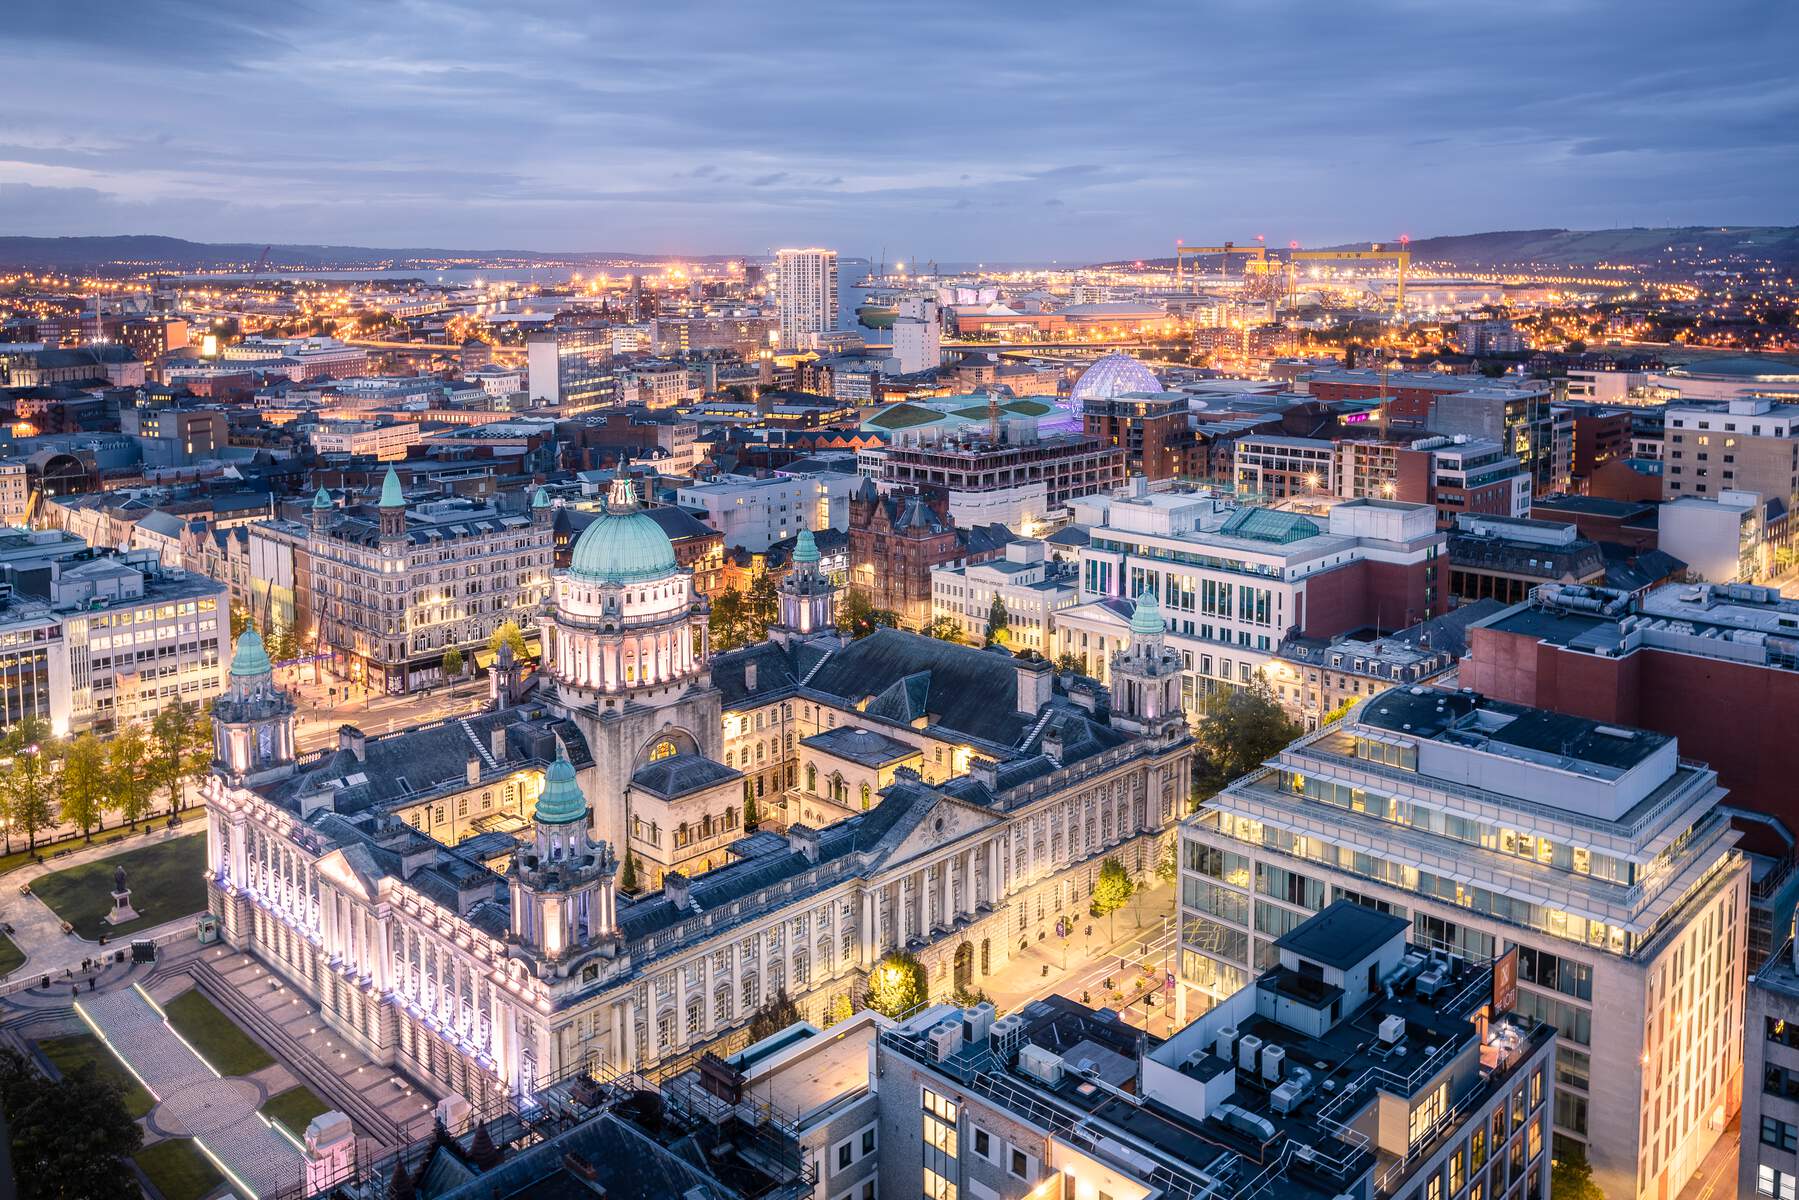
(1355, 1066)
(1594, 851)
(807, 296)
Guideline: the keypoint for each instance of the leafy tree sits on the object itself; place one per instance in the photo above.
(240, 620)
(898, 984)
(452, 664)
(857, 614)
(1070, 661)
(762, 607)
(180, 744)
(30, 777)
(1112, 889)
(840, 1009)
(85, 784)
(1571, 1178)
(1338, 713)
(947, 629)
(627, 874)
(282, 642)
(1241, 731)
(1168, 860)
(776, 1015)
(996, 622)
(128, 764)
(508, 633)
(751, 816)
(728, 621)
(71, 1138)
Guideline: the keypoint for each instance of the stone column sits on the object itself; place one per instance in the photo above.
(708, 1021)
(627, 1050)
(946, 894)
(866, 956)
(680, 1038)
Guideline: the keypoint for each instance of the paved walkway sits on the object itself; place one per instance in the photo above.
(192, 1101)
(1137, 933)
(37, 931)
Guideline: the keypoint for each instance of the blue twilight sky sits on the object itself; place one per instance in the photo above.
(957, 131)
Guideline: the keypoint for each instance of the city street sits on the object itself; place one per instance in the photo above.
(329, 702)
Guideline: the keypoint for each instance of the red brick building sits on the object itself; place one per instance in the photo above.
(1153, 430)
(895, 541)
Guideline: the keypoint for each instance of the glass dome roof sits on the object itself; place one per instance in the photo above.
(1114, 375)
(622, 548)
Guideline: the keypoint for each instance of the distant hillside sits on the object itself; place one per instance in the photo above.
(1688, 245)
(1673, 251)
(178, 254)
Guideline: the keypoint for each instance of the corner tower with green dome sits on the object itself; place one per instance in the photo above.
(562, 881)
(253, 720)
(1146, 677)
(808, 598)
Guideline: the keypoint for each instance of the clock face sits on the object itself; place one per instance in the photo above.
(265, 742)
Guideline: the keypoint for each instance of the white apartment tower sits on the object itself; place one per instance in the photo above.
(808, 295)
(1590, 861)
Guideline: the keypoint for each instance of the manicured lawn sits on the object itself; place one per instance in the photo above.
(165, 882)
(68, 1053)
(294, 1109)
(23, 857)
(217, 1038)
(11, 957)
(178, 1169)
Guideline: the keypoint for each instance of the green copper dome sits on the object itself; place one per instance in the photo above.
(322, 500)
(391, 495)
(251, 659)
(1147, 618)
(541, 499)
(622, 548)
(806, 549)
(561, 802)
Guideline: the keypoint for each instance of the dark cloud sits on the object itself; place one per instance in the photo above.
(963, 131)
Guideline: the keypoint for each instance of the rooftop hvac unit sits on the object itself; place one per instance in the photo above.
(1243, 1120)
(1392, 1029)
(1432, 982)
(1003, 1037)
(1045, 1066)
(1226, 1041)
(1274, 1058)
(945, 1039)
(1285, 1098)
(1246, 1052)
(977, 1022)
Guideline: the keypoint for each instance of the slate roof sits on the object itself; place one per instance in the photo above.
(970, 691)
(681, 775)
(863, 746)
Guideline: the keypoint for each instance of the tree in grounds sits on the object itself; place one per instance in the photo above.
(857, 615)
(128, 765)
(1112, 890)
(1168, 860)
(1571, 1178)
(898, 984)
(240, 621)
(509, 632)
(85, 786)
(452, 663)
(71, 1138)
(1241, 731)
(282, 643)
(1068, 661)
(180, 746)
(627, 874)
(947, 629)
(773, 1017)
(762, 607)
(840, 1009)
(30, 777)
(751, 817)
(726, 623)
(996, 622)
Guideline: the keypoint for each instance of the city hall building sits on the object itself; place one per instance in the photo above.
(489, 957)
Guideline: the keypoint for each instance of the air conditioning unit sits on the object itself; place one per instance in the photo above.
(1274, 1058)
(1392, 1029)
(1003, 1037)
(1045, 1066)
(1432, 982)
(977, 1022)
(1247, 1049)
(1226, 1041)
(945, 1039)
(1285, 1098)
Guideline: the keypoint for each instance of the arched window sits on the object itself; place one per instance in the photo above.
(730, 817)
(751, 995)
(721, 1002)
(664, 749)
(728, 761)
(812, 778)
(865, 794)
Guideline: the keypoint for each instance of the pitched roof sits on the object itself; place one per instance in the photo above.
(973, 692)
(681, 775)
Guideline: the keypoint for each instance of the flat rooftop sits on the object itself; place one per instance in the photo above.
(1478, 723)
(1342, 935)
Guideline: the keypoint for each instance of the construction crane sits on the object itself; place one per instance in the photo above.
(262, 262)
(1401, 256)
(1258, 262)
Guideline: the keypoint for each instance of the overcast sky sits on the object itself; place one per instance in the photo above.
(959, 131)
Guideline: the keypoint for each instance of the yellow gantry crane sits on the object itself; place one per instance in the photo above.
(1258, 263)
(1401, 256)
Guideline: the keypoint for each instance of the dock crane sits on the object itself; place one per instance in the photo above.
(1258, 261)
(1401, 256)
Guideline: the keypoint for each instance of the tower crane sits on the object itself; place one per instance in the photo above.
(1401, 256)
